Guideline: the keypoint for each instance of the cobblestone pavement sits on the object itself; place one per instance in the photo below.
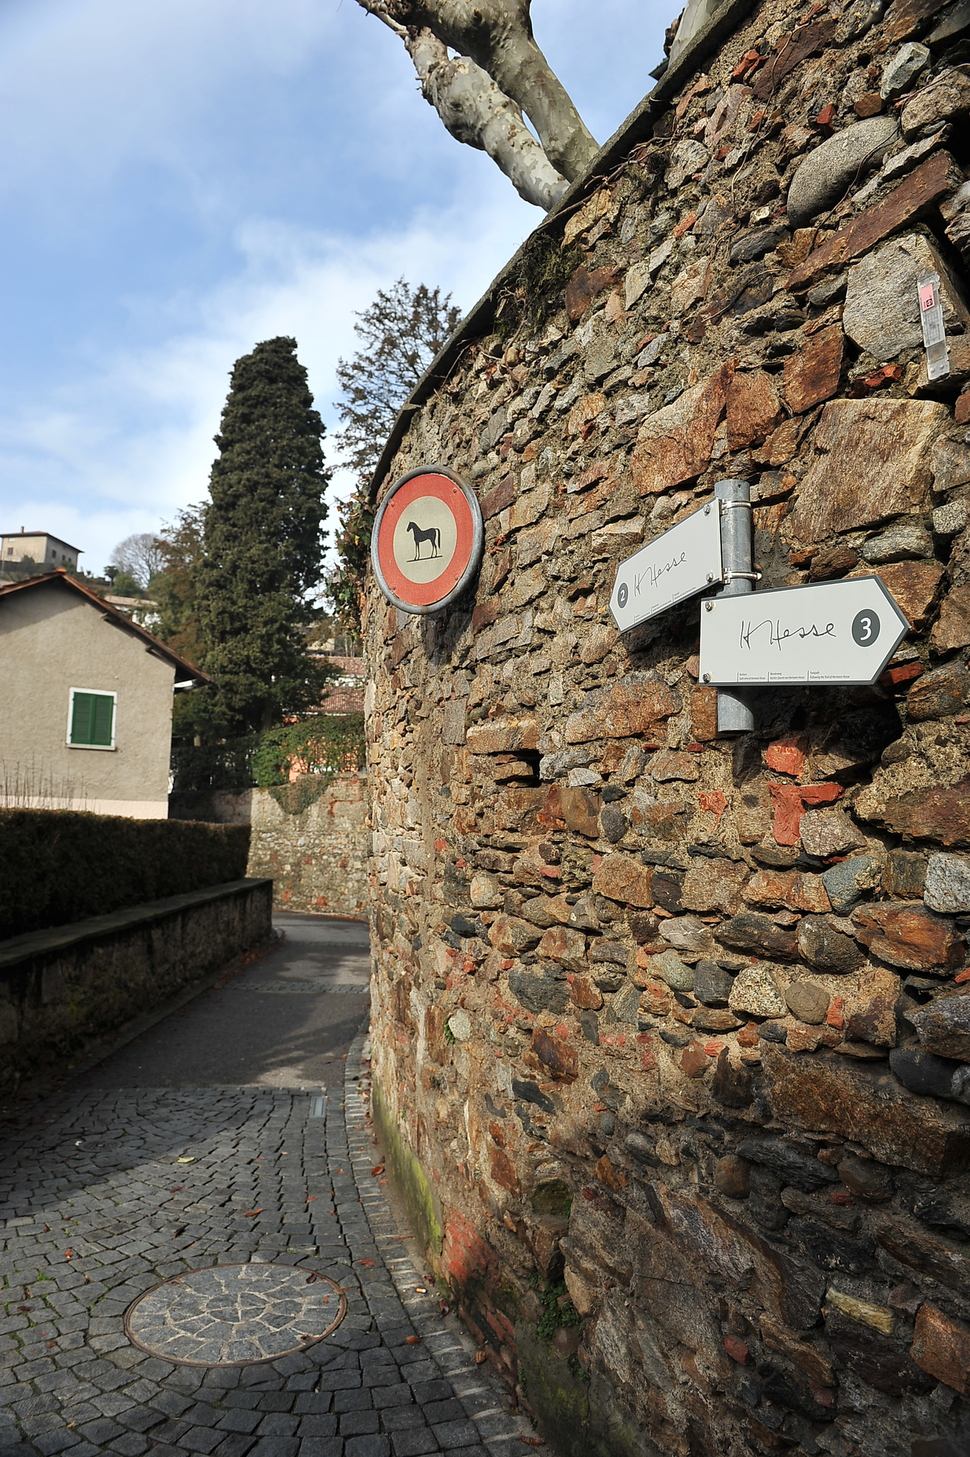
(128, 1178)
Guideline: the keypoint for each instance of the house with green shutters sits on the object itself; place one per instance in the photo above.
(86, 700)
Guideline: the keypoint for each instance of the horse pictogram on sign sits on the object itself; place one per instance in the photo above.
(427, 540)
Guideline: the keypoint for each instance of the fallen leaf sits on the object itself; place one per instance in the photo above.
(377, 1169)
(412, 1340)
(185, 1158)
(251, 1213)
(367, 1264)
(481, 1356)
(68, 1254)
(310, 1198)
(532, 1441)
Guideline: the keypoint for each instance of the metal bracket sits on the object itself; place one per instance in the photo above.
(734, 712)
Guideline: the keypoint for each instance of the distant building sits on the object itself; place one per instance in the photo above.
(37, 548)
(140, 609)
(86, 706)
(345, 693)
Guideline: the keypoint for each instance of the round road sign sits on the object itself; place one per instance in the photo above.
(427, 540)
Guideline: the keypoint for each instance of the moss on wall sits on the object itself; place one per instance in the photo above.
(411, 1182)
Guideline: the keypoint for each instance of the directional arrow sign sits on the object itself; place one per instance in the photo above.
(828, 632)
(682, 561)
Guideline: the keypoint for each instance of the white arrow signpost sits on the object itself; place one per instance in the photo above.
(827, 632)
(841, 632)
(684, 560)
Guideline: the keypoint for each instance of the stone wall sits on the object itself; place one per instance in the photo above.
(316, 855)
(63, 989)
(214, 806)
(671, 1032)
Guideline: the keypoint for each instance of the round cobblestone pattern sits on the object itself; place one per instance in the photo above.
(233, 1315)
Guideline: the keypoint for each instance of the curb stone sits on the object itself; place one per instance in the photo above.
(503, 1433)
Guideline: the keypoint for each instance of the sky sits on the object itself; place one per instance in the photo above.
(179, 181)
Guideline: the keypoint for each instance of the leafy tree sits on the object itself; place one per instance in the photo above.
(174, 588)
(123, 583)
(262, 544)
(140, 555)
(399, 334)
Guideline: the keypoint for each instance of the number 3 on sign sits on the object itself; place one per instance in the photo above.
(865, 628)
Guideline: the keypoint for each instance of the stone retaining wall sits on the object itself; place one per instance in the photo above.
(316, 856)
(672, 1032)
(62, 989)
(214, 806)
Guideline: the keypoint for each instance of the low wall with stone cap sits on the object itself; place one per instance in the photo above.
(676, 1028)
(66, 990)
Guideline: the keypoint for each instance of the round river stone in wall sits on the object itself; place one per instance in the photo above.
(837, 165)
(231, 1315)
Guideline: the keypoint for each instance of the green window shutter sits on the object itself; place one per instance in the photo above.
(103, 726)
(92, 719)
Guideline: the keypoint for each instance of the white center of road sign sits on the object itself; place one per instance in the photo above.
(684, 560)
(826, 632)
(421, 555)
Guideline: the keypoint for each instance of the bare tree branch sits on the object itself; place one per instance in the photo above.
(497, 35)
(142, 555)
(481, 93)
(478, 113)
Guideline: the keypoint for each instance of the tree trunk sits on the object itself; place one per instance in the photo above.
(480, 94)
(497, 34)
(477, 112)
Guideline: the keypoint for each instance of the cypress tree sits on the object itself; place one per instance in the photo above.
(262, 544)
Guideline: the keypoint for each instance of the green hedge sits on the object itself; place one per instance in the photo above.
(59, 866)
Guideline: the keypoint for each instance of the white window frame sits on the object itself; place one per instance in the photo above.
(98, 748)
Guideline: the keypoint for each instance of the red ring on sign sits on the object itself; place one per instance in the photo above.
(423, 594)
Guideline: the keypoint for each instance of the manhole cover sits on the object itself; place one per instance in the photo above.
(231, 1315)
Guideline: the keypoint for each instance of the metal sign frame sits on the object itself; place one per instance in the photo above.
(475, 553)
(754, 602)
(702, 524)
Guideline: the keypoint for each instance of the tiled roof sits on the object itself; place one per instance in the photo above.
(343, 700)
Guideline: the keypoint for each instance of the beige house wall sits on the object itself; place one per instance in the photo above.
(46, 551)
(50, 643)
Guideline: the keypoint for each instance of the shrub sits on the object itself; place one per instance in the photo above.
(322, 744)
(59, 866)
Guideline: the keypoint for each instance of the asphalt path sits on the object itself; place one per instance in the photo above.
(285, 1021)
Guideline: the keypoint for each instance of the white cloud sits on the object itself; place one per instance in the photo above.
(111, 432)
(138, 427)
(88, 86)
